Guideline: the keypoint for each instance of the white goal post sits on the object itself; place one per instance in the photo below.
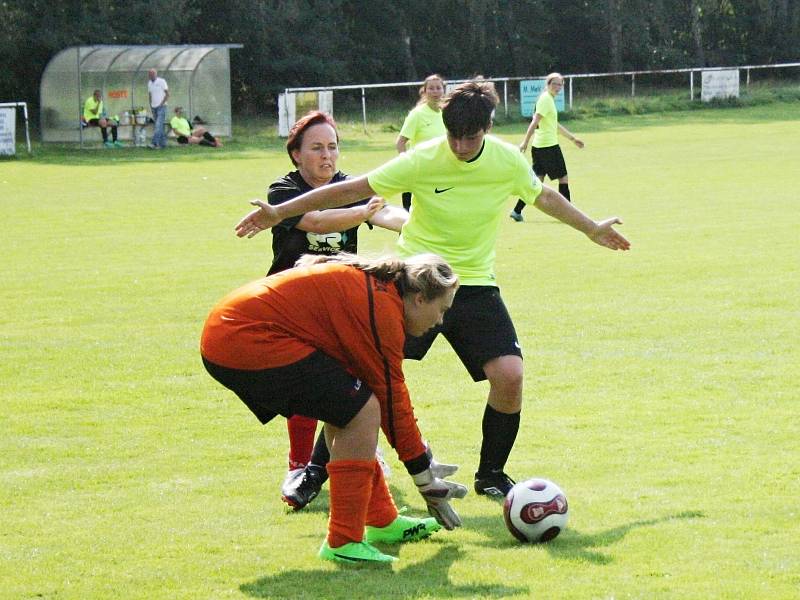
(8, 124)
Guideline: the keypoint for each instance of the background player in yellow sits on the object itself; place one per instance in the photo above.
(94, 115)
(545, 152)
(423, 122)
(461, 185)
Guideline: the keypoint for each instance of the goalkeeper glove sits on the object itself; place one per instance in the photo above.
(439, 470)
(437, 493)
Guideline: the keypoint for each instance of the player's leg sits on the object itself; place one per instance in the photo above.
(481, 332)
(516, 213)
(303, 484)
(352, 415)
(207, 139)
(500, 425)
(384, 524)
(558, 170)
(113, 125)
(563, 188)
(319, 387)
(301, 432)
(352, 469)
(102, 125)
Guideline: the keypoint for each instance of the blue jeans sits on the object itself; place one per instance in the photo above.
(160, 116)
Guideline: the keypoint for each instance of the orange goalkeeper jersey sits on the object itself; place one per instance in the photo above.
(340, 310)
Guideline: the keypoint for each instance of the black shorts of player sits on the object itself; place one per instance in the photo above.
(477, 326)
(182, 139)
(317, 386)
(549, 161)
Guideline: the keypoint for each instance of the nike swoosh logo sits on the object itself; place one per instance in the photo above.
(438, 191)
(224, 318)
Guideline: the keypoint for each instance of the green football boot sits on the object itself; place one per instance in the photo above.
(354, 552)
(403, 529)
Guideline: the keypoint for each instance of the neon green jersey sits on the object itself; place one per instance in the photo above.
(458, 206)
(181, 126)
(546, 133)
(422, 124)
(92, 109)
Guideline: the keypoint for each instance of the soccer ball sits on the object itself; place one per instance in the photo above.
(535, 510)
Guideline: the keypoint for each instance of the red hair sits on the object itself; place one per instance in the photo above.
(315, 117)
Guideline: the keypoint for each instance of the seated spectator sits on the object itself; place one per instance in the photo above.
(186, 135)
(94, 116)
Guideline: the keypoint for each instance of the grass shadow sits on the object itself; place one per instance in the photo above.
(429, 578)
(572, 545)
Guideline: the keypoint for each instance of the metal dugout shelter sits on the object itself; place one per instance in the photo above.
(198, 77)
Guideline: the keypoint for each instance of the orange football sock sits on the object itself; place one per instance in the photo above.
(382, 509)
(350, 491)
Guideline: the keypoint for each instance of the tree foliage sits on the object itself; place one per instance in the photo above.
(311, 42)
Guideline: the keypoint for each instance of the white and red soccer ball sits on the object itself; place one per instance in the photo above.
(535, 510)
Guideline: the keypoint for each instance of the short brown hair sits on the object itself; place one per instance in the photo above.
(469, 108)
(315, 117)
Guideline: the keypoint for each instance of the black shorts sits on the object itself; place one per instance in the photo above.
(477, 326)
(549, 161)
(317, 386)
(182, 139)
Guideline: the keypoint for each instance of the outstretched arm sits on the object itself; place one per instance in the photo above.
(603, 233)
(327, 196)
(340, 219)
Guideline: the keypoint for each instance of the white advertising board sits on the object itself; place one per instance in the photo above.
(8, 131)
(720, 84)
(529, 92)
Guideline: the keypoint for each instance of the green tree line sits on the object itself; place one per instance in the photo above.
(313, 42)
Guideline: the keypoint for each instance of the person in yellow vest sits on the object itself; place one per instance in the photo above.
(94, 116)
(186, 135)
(547, 156)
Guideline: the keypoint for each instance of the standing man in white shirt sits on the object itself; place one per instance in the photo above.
(159, 94)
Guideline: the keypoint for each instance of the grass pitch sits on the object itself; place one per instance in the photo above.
(660, 392)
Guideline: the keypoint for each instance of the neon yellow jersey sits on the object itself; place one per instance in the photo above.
(546, 133)
(458, 206)
(181, 126)
(423, 124)
(92, 109)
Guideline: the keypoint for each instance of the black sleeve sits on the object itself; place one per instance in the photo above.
(281, 191)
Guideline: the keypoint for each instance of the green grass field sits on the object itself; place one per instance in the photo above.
(660, 392)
